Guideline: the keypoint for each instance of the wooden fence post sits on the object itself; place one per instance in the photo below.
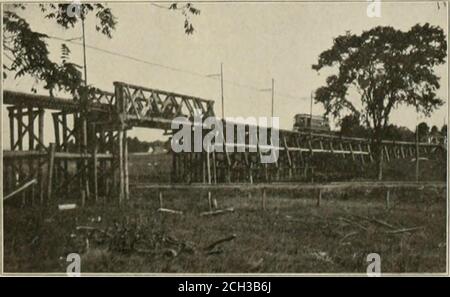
(51, 161)
(263, 199)
(161, 205)
(388, 202)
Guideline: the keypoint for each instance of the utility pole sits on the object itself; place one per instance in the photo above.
(215, 75)
(84, 49)
(273, 92)
(221, 90)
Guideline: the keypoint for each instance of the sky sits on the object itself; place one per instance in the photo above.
(255, 42)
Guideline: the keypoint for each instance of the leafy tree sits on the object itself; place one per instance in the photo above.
(444, 130)
(434, 130)
(351, 126)
(394, 132)
(26, 51)
(387, 68)
(424, 131)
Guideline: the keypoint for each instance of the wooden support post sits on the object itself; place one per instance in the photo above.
(370, 152)
(94, 173)
(30, 129)
(85, 175)
(56, 127)
(214, 167)
(31, 136)
(203, 159)
(402, 150)
(388, 200)
(341, 147)
(297, 143)
(121, 170)
(210, 201)
(161, 204)
(51, 161)
(263, 199)
(208, 164)
(20, 135)
(41, 127)
(310, 147)
(288, 157)
(386, 153)
(125, 166)
(11, 128)
(41, 148)
(351, 151)
(20, 128)
(362, 155)
(228, 169)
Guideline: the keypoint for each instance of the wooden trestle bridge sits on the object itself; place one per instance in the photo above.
(89, 156)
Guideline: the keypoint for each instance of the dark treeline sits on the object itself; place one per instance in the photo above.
(351, 126)
(137, 146)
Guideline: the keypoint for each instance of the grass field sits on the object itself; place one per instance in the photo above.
(293, 234)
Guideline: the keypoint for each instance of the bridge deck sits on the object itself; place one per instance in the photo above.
(69, 105)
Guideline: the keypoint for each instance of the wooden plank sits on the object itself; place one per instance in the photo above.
(292, 186)
(51, 161)
(20, 189)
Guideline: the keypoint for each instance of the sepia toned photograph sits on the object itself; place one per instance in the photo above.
(224, 138)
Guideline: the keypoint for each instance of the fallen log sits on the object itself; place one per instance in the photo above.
(217, 212)
(348, 235)
(67, 206)
(405, 230)
(169, 211)
(20, 189)
(352, 223)
(216, 243)
(373, 220)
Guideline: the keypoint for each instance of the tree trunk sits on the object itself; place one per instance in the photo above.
(378, 155)
(380, 167)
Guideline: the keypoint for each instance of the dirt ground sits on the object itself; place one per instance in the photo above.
(292, 235)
